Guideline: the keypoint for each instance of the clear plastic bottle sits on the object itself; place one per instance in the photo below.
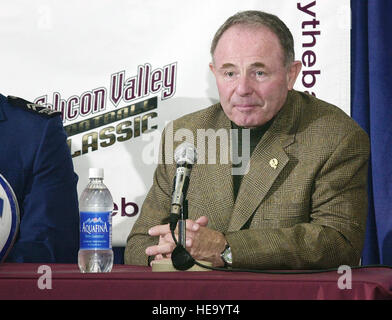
(95, 209)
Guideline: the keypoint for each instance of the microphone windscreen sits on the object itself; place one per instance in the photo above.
(181, 258)
(185, 153)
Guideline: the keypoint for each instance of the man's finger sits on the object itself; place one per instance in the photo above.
(190, 225)
(161, 229)
(158, 257)
(203, 221)
(160, 249)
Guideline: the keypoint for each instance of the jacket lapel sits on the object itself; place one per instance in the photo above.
(266, 163)
(211, 183)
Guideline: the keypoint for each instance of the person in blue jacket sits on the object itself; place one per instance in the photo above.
(36, 161)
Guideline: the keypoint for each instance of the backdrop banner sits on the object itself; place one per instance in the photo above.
(121, 70)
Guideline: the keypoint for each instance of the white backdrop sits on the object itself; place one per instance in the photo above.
(95, 57)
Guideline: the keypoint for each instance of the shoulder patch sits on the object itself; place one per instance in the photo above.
(32, 107)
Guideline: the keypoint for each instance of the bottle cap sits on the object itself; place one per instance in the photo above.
(95, 173)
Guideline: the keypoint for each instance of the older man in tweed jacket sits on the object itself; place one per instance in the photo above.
(303, 202)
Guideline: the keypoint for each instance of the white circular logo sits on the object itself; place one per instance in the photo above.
(9, 218)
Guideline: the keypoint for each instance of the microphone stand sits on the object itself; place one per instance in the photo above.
(181, 260)
(182, 224)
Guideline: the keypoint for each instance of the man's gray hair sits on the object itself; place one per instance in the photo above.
(260, 18)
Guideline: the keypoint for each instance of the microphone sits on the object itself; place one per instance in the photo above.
(185, 157)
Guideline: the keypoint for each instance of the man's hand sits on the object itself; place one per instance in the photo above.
(201, 242)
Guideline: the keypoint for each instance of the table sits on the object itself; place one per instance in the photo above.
(64, 281)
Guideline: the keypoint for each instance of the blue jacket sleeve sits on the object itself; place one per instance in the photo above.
(49, 228)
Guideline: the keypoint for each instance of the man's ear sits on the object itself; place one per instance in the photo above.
(292, 73)
(212, 68)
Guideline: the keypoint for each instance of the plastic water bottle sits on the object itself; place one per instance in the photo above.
(95, 209)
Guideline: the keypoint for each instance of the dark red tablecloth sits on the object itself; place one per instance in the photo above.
(20, 281)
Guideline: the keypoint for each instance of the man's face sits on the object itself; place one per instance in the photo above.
(251, 77)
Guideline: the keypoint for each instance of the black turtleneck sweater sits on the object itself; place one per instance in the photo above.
(255, 136)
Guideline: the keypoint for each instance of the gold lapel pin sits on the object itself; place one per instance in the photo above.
(273, 163)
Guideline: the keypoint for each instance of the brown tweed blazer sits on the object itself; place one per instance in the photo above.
(307, 212)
